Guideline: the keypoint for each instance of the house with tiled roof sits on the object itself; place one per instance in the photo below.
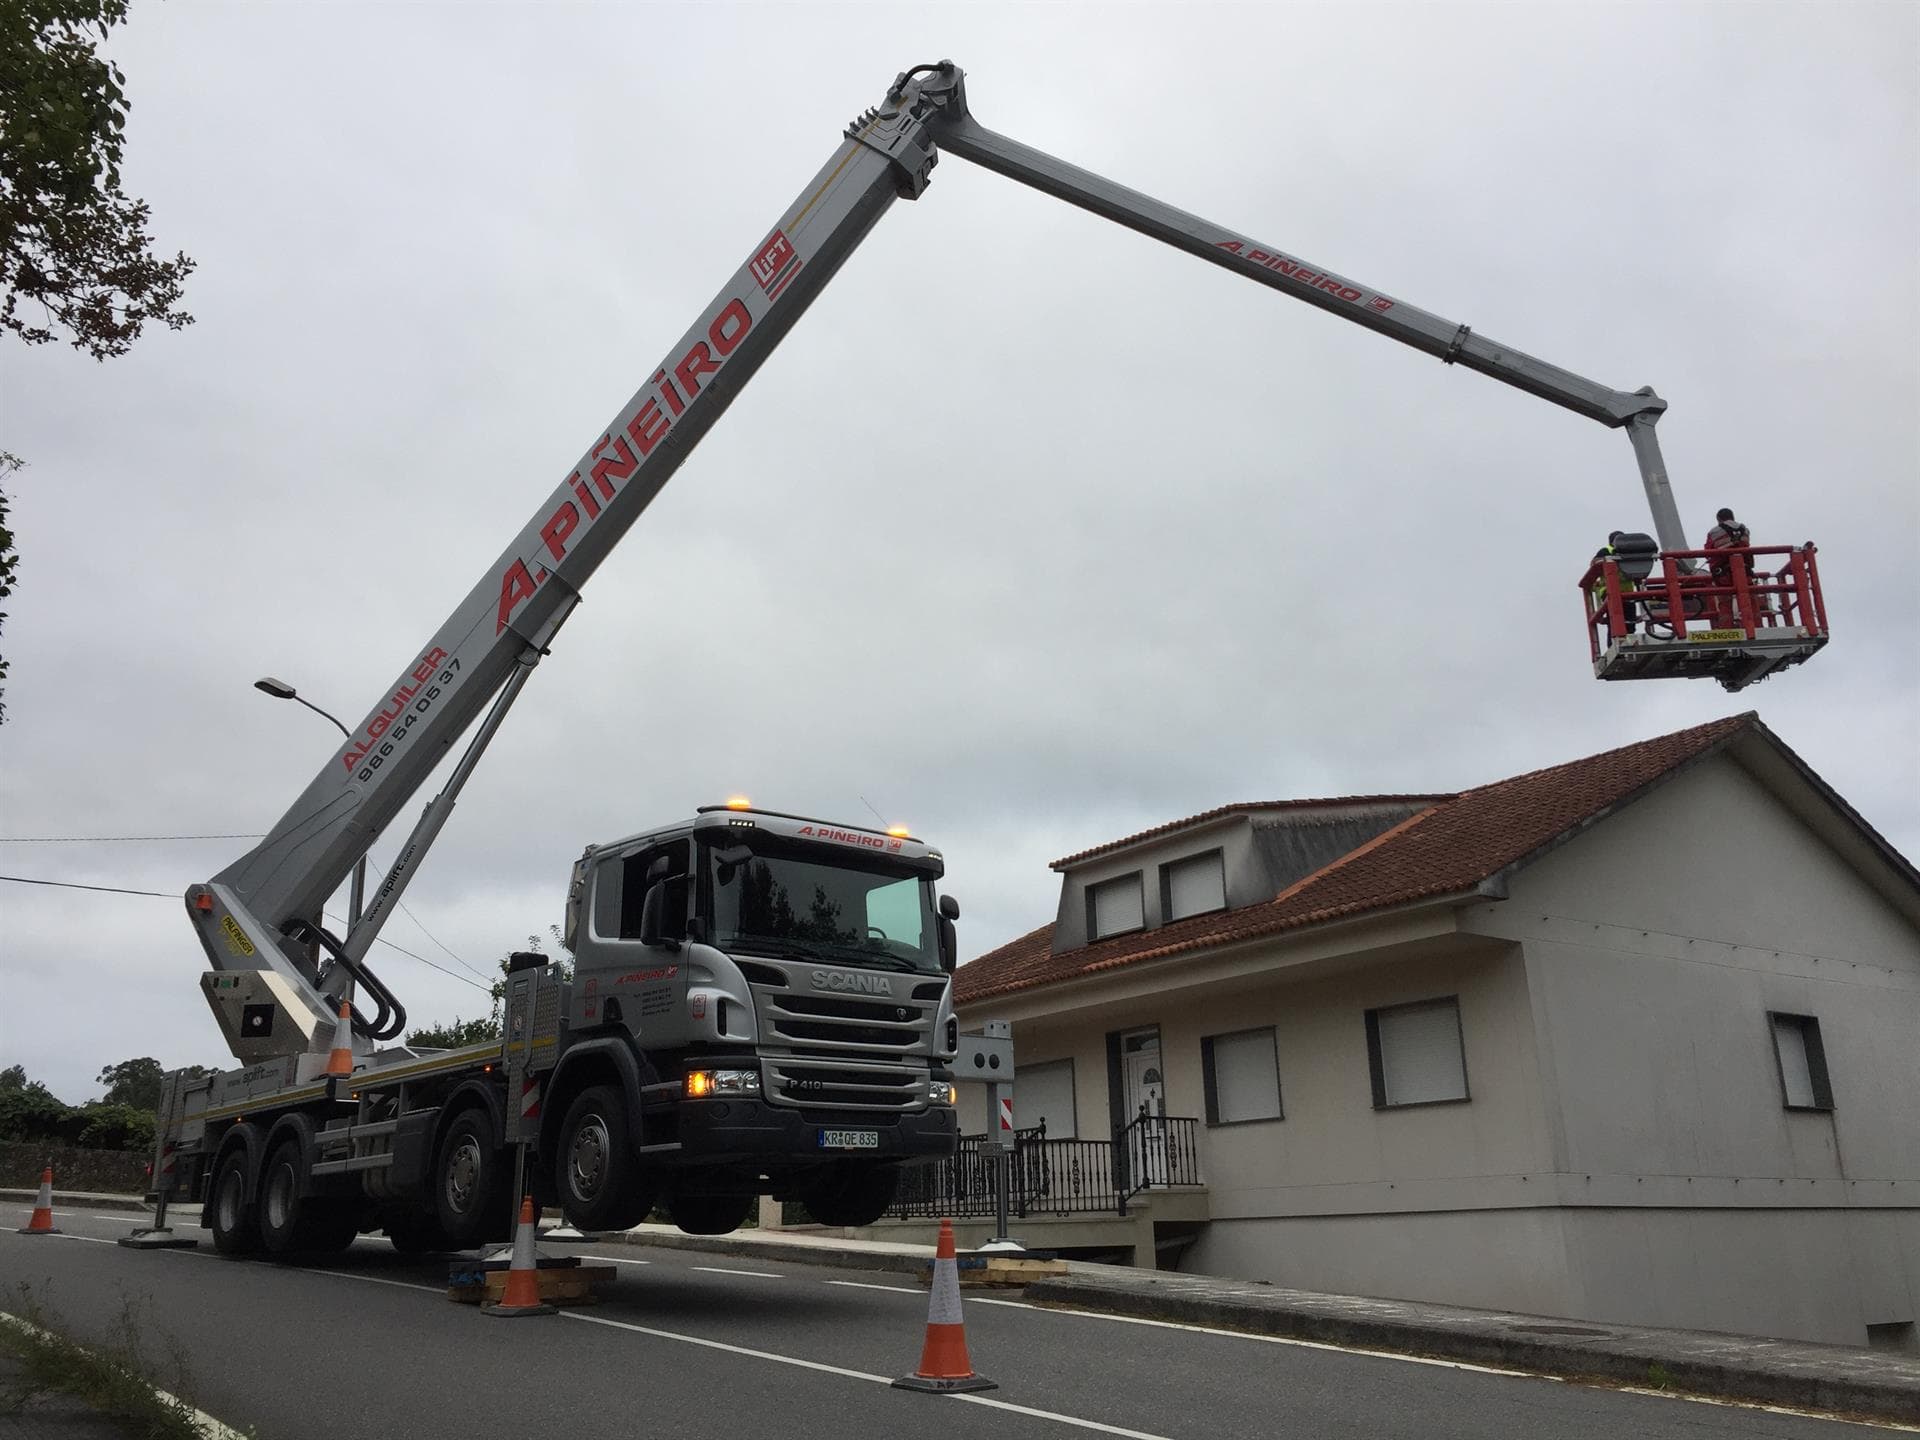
(1634, 1039)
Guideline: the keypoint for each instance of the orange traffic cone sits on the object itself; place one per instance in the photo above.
(42, 1221)
(944, 1366)
(340, 1059)
(522, 1296)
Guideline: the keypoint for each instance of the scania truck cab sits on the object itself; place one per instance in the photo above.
(783, 984)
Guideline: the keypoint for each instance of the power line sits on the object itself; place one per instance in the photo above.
(105, 889)
(106, 839)
(436, 940)
(162, 895)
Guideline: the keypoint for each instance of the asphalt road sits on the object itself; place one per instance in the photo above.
(693, 1346)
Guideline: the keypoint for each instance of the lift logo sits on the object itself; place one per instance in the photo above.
(237, 940)
(1294, 270)
(621, 452)
(776, 264)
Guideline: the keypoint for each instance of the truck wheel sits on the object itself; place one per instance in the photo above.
(470, 1183)
(852, 1196)
(234, 1229)
(596, 1173)
(711, 1214)
(291, 1224)
(416, 1234)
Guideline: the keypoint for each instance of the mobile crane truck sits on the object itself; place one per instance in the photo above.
(761, 1003)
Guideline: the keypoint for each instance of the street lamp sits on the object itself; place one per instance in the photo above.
(280, 690)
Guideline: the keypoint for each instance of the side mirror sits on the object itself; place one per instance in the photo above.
(665, 906)
(949, 907)
(949, 945)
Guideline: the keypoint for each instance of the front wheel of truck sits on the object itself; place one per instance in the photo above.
(597, 1174)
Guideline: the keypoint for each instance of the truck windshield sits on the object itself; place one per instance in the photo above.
(800, 903)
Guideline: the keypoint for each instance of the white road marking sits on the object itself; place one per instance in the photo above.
(1073, 1420)
(890, 1289)
(615, 1260)
(382, 1280)
(757, 1274)
(69, 1235)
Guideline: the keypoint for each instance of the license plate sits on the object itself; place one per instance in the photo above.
(849, 1139)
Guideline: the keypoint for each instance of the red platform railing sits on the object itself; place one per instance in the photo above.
(1755, 592)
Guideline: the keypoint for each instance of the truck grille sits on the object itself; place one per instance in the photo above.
(836, 1020)
(797, 1016)
(826, 1085)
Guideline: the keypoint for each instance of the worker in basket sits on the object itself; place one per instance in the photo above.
(1728, 534)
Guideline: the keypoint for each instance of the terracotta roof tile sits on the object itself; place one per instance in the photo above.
(1451, 847)
(1244, 807)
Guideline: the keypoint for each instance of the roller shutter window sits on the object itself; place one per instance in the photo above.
(1242, 1075)
(1115, 907)
(1416, 1053)
(1193, 886)
(1044, 1092)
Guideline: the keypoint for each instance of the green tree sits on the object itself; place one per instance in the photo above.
(115, 1127)
(132, 1082)
(76, 261)
(14, 1077)
(32, 1112)
(457, 1034)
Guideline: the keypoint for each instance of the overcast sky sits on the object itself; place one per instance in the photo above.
(1033, 533)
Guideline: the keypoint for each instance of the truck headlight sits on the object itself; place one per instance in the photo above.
(703, 1083)
(942, 1092)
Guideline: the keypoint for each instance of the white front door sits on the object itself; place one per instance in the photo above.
(1146, 1095)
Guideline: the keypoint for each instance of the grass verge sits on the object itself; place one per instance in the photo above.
(119, 1377)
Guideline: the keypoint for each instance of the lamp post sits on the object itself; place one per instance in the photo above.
(280, 690)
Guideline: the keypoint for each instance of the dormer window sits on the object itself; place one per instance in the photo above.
(1193, 886)
(1115, 907)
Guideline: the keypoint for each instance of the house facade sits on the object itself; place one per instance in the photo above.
(1630, 1039)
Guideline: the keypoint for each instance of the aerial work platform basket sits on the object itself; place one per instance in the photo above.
(1734, 615)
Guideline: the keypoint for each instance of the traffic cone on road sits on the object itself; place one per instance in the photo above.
(522, 1295)
(340, 1059)
(42, 1221)
(944, 1366)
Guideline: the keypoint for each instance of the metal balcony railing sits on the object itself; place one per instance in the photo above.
(1056, 1177)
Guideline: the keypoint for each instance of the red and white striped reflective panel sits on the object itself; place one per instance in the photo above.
(1006, 1115)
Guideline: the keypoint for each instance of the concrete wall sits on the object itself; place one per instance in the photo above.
(1493, 1259)
(1805, 1274)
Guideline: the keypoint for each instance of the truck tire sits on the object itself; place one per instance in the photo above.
(470, 1183)
(291, 1224)
(852, 1194)
(711, 1214)
(232, 1212)
(596, 1173)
